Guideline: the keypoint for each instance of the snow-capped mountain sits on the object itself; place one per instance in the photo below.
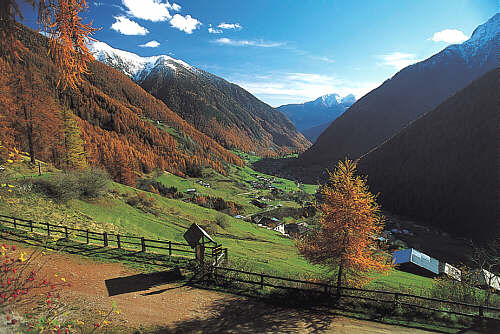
(323, 110)
(410, 93)
(133, 65)
(330, 100)
(220, 109)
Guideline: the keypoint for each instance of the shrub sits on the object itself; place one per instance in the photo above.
(140, 199)
(158, 188)
(60, 186)
(93, 183)
(222, 221)
(64, 186)
(211, 228)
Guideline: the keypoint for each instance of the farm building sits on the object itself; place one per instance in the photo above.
(450, 271)
(280, 228)
(487, 279)
(413, 261)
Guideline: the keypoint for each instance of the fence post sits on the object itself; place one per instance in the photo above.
(481, 312)
(48, 229)
(31, 226)
(143, 244)
(66, 232)
(105, 239)
(225, 255)
(326, 288)
(88, 239)
(170, 248)
(261, 281)
(396, 301)
(118, 240)
(15, 223)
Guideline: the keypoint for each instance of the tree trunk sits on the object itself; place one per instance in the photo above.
(29, 132)
(339, 278)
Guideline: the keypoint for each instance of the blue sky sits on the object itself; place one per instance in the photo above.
(290, 51)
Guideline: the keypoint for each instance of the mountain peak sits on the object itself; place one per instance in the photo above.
(486, 31)
(333, 99)
(132, 64)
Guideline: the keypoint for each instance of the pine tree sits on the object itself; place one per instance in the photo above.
(350, 220)
(74, 157)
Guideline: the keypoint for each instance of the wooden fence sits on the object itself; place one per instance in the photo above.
(223, 276)
(120, 241)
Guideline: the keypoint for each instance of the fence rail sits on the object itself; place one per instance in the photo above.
(260, 280)
(120, 241)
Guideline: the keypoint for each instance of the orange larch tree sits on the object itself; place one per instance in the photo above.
(69, 36)
(350, 222)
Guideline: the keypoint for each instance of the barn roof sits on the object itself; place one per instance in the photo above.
(420, 259)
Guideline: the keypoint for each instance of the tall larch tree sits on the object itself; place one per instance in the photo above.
(349, 222)
(68, 35)
(74, 151)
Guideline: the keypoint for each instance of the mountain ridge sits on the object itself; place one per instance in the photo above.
(411, 92)
(220, 109)
(125, 129)
(441, 168)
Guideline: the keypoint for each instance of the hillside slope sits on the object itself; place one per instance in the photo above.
(222, 110)
(313, 133)
(442, 167)
(412, 92)
(125, 129)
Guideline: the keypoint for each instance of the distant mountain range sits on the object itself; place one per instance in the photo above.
(412, 92)
(442, 168)
(320, 112)
(222, 110)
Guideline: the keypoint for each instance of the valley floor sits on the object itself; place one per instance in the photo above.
(176, 308)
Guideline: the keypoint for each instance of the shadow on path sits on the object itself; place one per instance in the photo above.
(142, 282)
(251, 316)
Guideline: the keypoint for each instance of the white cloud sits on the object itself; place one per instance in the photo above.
(322, 58)
(451, 36)
(283, 88)
(259, 43)
(152, 10)
(212, 30)
(234, 26)
(174, 6)
(150, 44)
(398, 60)
(185, 23)
(128, 27)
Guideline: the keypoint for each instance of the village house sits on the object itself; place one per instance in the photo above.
(450, 271)
(488, 280)
(415, 262)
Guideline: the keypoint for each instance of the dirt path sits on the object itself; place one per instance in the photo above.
(173, 308)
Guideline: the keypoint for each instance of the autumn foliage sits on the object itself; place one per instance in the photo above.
(123, 128)
(350, 220)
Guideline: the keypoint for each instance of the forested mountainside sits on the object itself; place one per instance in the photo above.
(412, 92)
(124, 128)
(443, 167)
(222, 110)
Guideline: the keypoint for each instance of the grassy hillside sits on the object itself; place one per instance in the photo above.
(251, 247)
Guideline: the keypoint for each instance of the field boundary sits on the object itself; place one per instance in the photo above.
(394, 300)
(224, 276)
(113, 240)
